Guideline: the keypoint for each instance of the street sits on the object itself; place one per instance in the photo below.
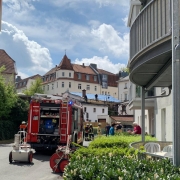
(38, 170)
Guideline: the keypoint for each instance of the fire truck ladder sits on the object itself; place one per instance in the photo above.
(64, 121)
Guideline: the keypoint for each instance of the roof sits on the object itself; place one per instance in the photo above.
(65, 63)
(123, 118)
(53, 70)
(22, 83)
(8, 62)
(83, 69)
(101, 97)
(101, 71)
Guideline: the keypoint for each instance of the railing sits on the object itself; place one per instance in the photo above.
(151, 25)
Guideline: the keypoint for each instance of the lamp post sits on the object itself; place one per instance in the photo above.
(176, 82)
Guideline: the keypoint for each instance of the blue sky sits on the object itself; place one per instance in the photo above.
(36, 33)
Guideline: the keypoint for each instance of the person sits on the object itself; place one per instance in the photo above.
(91, 132)
(107, 129)
(136, 129)
(111, 130)
(86, 129)
(99, 129)
(23, 126)
(119, 127)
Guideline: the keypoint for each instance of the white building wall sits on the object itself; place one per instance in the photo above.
(163, 117)
(93, 116)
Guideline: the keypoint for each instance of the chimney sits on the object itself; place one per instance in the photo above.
(83, 93)
(18, 78)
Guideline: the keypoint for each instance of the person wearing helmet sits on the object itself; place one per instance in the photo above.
(99, 129)
(86, 130)
(91, 132)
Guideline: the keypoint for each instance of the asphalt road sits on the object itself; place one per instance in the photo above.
(38, 170)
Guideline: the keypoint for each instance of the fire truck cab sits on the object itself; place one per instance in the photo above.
(51, 119)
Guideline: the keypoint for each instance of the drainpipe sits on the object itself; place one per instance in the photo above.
(143, 114)
(176, 82)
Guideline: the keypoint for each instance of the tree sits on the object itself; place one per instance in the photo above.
(8, 96)
(34, 88)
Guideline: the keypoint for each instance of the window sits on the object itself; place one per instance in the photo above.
(63, 74)
(94, 109)
(125, 87)
(69, 84)
(104, 84)
(108, 93)
(104, 77)
(105, 93)
(48, 87)
(69, 74)
(43, 88)
(57, 84)
(79, 86)
(88, 87)
(84, 109)
(95, 78)
(87, 77)
(102, 92)
(79, 75)
(95, 88)
(102, 110)
(52, 86)
(125, 97)
(62, 84)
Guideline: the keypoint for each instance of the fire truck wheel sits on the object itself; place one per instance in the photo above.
(10, 157)
(54, 160)
(30, 157)
(63, 163)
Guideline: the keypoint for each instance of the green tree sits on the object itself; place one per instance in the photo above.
(34, 88)
(8, 96)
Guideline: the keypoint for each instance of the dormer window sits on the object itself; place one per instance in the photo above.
(63, 74)
(87, 77)
(95, 78)
(79, 75)
(69, 74)
(104, 77)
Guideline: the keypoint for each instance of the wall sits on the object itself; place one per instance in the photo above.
(163, 107)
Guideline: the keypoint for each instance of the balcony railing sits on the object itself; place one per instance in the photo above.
(151, 25)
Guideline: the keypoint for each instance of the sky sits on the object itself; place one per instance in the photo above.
(36, 34)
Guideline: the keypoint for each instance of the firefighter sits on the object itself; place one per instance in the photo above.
(23, 129)
(86, 131)
(23, 126)
(91, 132)
(99, 129)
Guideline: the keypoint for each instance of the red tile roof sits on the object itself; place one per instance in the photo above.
(65, 63)
(8, 62)
(83, 69)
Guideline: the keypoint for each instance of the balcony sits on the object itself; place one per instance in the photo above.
(150, 46)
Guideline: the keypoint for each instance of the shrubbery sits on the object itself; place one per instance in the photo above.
(110, 158)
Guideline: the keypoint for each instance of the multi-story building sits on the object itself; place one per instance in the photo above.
(150, 62)
(75, 78)
(10, 67)
(24, 84)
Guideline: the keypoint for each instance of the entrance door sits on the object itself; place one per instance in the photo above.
(163, 124)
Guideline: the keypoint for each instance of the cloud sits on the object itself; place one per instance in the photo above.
(102, 63)
(30, 57)
(111, 41)
(112, 2)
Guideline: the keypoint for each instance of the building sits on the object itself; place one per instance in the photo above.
(10, 67)
(24, 84)
(75, 78)
(150, 63)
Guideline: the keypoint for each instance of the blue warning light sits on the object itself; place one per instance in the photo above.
(70, 103)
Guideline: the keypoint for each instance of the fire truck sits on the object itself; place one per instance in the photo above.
(51, 119)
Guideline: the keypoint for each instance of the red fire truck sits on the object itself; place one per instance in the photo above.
(51, 119)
